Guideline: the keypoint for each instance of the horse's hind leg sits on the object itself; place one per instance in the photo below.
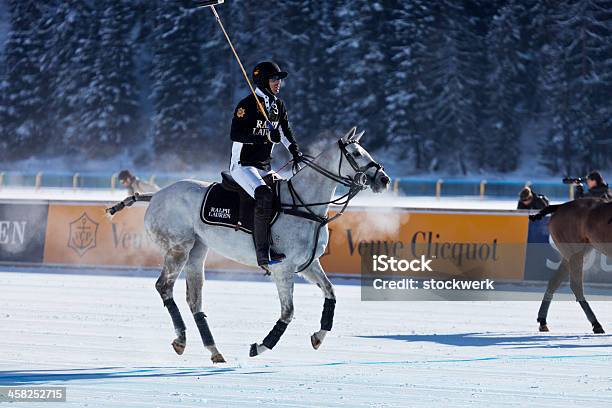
(553, 284)
(576, 283)
(284, 284)
(315, 274)
(174, 260)
(194, 269)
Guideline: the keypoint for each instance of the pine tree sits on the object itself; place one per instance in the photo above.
(451, 74)
(112, 111)
(408, 124)
(71, 62)
(25, 88)
(365, 55)
(504, 86)
(178, 84)
(578, 82)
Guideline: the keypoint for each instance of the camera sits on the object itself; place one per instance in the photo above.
(573, 180)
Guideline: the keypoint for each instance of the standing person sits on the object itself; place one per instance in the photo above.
(597, 187)
(253, 141)
(134, 184)
(530, 200)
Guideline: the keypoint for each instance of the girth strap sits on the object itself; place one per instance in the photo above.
(304, 214)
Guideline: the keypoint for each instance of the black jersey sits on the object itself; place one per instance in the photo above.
(249, 128)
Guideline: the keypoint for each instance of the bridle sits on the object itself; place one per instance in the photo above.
(357, 183)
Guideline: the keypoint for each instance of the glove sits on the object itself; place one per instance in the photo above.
(535, 217)
(294, 149)
(275, 136)
(579, 191)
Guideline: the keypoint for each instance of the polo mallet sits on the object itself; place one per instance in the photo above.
(212, 4)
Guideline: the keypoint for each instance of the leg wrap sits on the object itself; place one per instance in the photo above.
(207, 338)
(175, 314)
(275, 334)
(588, 312)
(543, 312)
(327, 318)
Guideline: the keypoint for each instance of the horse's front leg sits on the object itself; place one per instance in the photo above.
(195, 280)
(315, 274)
(284, 284)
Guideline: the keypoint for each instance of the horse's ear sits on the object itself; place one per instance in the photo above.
(350, 134)
(358, 136)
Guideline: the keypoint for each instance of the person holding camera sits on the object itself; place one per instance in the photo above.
(529, 200)
(597, 187)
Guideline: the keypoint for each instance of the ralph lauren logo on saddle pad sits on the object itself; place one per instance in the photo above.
(220, 213)
(227, 208)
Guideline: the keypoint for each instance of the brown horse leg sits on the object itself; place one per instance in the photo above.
(553, 284)
(576, 284)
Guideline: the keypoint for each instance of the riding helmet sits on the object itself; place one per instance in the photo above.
(263, 71)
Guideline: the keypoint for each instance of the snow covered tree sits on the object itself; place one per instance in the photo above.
(365, 55)
(412, 24)
(111, 100)
(452, 76)
(178, 85)
(25, 91)
(505, 89)
(578, 82)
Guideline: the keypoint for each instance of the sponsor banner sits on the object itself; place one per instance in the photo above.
(470, 245)
(543, 259)
(83, 235)
(22, 232)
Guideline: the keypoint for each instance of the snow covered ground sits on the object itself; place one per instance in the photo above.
(364, 199)
(107, 339)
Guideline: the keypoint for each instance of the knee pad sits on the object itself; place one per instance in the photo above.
(264, 198)
(263, 192)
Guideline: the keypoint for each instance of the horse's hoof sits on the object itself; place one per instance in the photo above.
(315, 341)
(253, 350)
(178, 347)
(543, 328)
(217, 358)
(597, 329)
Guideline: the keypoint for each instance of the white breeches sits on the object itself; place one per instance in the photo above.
(248, 177)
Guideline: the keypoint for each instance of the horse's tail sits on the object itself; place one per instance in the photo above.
(128, 202)
(544, 211)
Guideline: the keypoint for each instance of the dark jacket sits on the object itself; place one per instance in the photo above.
(602, 191)
(249, 128)
(539, 202)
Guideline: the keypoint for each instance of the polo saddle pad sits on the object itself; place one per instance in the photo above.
(227, 209)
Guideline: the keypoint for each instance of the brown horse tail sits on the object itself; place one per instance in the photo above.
(544, 211)
(128, 202)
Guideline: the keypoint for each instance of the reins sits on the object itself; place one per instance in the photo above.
(355, 184)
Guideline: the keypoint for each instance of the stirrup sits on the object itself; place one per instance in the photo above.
(276, 257)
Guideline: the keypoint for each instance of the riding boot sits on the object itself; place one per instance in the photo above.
(264, 201)
(275, 256)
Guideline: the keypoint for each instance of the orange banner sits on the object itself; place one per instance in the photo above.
(460, 244)
(81, 234)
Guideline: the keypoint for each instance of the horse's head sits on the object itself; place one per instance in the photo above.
(357, 163)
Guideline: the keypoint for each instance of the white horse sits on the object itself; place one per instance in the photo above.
(172, 220)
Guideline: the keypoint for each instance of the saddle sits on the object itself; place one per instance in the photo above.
(226, 204)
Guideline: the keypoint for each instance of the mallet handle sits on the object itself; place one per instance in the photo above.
(261, 108)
